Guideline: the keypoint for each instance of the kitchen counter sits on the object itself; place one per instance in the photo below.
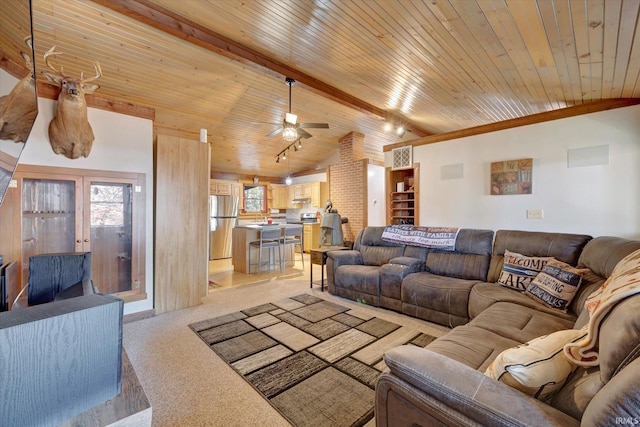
(241, 236)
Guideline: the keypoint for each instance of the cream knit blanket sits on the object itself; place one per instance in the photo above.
(623, 282)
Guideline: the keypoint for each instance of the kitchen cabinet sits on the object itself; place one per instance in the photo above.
(69, 210)
(282, 197)
(319, 193)
(225, 188)
(403, 195)
(316, 193)
(311, 236)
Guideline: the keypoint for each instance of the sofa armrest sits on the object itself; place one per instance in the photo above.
(439, 388)
(349, 257)
(415, 264)
(392, 273)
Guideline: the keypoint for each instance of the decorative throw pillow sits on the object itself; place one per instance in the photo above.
(519, 270)
(539, 367)
(556, 285)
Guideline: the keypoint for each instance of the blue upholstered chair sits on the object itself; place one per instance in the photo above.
(58, 276)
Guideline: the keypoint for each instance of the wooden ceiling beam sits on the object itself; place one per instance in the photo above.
(178, 26)
(562, 113)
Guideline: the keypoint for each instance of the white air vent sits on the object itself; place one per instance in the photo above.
(402, 158)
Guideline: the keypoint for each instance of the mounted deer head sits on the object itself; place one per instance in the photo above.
(19, 107)
(70, 133)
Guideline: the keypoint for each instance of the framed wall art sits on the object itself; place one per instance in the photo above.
(511, 177)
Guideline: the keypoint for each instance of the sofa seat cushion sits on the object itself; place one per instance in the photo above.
(360, 278)
(436, 298)
(472, 346)
(519, 323)
(485, 294)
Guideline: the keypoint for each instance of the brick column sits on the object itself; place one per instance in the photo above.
(348, 184)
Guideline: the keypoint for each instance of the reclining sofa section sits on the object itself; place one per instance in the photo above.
(431, 284)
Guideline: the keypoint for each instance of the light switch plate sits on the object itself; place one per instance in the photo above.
(534, 214)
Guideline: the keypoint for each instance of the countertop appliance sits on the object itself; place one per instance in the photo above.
(224, 216)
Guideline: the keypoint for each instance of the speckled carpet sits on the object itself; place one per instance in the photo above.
(315, 361)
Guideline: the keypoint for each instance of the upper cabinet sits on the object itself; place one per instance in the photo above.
(295, 196)
(403, 195)
(314, 192)
(225, 188)
(282, 197)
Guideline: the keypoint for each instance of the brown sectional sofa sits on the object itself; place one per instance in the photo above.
(444, 383)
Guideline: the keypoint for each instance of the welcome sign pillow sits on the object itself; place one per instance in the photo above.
(519, 270)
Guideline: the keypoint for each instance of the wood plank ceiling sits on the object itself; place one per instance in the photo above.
(435, 66)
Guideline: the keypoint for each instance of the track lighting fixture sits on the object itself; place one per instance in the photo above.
(296, 145)
(399, 130)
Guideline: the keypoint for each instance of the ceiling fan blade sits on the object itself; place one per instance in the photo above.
(264, 123)
(303, 133)
(275, 132)
(314, 125)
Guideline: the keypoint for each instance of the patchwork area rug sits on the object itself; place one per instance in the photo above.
(315, 361)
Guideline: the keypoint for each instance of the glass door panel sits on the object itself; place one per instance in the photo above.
(111, 221)
(48, 218)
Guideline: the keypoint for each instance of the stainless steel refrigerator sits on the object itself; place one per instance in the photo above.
(224, 216)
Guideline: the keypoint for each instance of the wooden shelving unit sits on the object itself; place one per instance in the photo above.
(402, 206)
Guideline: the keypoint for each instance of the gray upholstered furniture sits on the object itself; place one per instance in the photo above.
(59, 359)
(444, 384)
(52, 274)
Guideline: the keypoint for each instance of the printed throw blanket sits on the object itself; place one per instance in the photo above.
(623, 282)
(443, 238)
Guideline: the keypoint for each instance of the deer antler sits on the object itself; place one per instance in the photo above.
(96, 65)
(52, 52)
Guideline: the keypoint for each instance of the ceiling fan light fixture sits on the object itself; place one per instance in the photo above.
(291, 118)
(289, 133)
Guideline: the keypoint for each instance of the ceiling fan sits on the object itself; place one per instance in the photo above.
(291, 130)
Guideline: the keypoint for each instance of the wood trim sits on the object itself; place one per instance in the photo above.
(164, 20)
(563, 113)
(48, 91)
(141, 315)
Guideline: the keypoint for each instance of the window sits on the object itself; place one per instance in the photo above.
(255, 198)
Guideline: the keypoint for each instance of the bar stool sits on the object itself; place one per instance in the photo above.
(269, 239)
(292, 235)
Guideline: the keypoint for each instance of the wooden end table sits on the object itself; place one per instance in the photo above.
(319, 257)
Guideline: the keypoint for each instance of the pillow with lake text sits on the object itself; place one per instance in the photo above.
(519, 270)
(556, 285)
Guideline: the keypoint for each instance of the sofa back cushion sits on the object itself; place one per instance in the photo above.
(374, 250)
(562, 246)
(471, 257)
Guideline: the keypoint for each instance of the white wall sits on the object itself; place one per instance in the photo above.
(122, 143)
(596, 200)
(376, 200)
